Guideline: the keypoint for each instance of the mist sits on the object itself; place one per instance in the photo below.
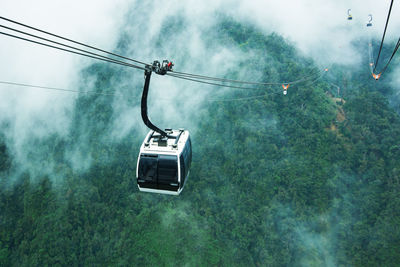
(318, 29)
(59, 135)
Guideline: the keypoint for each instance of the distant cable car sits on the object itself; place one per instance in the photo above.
(369, 24)
(165, 156)
(376, 76)
(285, 87)
(349, 16)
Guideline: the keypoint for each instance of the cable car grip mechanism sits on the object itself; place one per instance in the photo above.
(161, 69)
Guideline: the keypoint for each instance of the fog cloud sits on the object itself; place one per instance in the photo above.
(145, 31)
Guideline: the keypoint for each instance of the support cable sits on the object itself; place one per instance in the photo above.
(383, 37)
(180, 75)
(74, 52)
(56, 89)
(61, 44)
(118, 94)
(195, 76)
(70, 40)
(394, 52)
(239, 87)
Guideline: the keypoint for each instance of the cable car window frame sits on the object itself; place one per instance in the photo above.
(182, 169)
(189, 144)
(185, 161)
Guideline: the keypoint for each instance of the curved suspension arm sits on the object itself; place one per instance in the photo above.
(146, 120)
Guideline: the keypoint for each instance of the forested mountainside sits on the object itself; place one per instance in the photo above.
(306, 179)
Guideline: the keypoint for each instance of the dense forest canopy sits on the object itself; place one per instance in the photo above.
(306, 179)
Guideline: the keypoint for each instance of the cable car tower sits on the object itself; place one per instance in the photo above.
(165, 156)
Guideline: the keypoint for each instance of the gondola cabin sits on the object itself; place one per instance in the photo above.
(369, 24)
(349, 16)
(164, 162)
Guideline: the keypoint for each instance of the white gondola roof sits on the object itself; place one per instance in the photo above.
(155, 147)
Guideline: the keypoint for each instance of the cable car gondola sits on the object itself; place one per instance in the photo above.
(349, 16)
(163, 164)
(165, 156)
(369, 24)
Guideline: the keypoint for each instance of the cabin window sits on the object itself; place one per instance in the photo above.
(167, 169)
(148, 168)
